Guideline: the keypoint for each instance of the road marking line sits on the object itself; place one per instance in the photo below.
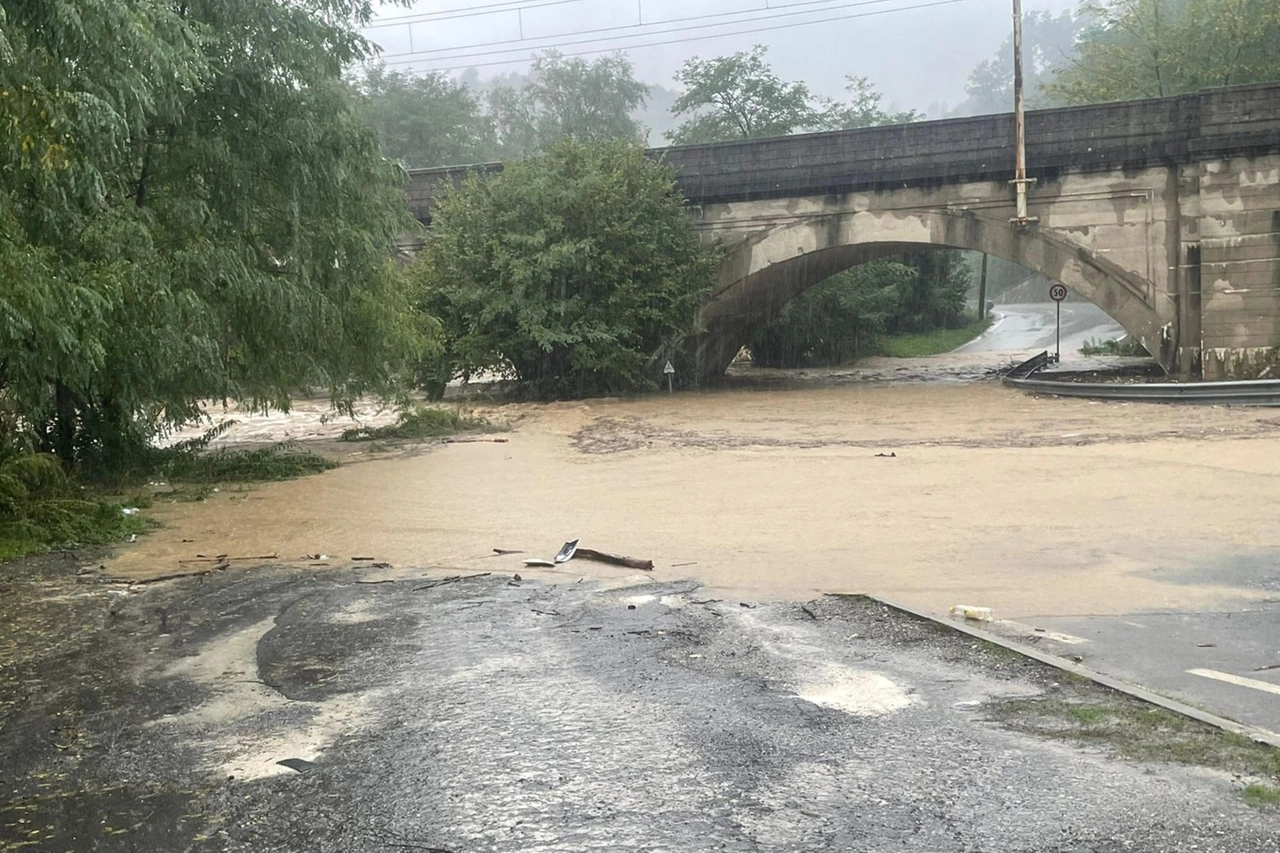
(1236, 679)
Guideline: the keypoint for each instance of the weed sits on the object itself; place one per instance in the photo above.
(420, 422)
(1135, 730)
(1126, 346)
(1262, 796)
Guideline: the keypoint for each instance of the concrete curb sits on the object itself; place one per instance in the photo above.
(1254, 733)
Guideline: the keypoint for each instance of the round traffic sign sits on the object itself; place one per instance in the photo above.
(1058, 292)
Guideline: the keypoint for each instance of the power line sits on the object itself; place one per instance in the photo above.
(468, 12)
(651, 32)
(616, 47)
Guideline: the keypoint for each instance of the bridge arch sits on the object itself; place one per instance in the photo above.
(766, 266)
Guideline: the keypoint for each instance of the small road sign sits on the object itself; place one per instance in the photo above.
(669, 368)
(1058, 292)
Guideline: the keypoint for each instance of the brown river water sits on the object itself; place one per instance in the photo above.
(1032, 506)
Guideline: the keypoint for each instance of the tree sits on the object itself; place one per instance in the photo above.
(570, 271)
(862, 109)
(568, 97)
(1048, 44)
(196, 213)
(426, 120)
(739, 97)
(742, 97)
(1159, 48)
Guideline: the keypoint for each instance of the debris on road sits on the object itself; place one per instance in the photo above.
(567, 550)
(451, 579)
(977, 614)
(539, 563)
(615, 559)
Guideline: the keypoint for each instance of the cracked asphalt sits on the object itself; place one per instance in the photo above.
(489, 714)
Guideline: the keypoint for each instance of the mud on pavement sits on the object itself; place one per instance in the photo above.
(497, 715)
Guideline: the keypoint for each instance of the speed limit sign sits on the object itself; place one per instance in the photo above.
(1058, 292)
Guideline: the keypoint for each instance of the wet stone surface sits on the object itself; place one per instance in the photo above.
(489, 715)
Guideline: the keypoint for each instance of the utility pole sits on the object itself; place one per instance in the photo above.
(982, 289)
(1020, 179)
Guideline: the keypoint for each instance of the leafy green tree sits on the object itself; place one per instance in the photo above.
(1048, 44)
(426, 120)
(196, 212)
(862, 109)
(742, 97)
(569, 271)
(1158, 48)
(739, 97)
(568, 97)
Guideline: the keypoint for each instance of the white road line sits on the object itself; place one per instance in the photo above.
(1236, 679)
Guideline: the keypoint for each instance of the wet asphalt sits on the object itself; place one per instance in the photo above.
(490, 714)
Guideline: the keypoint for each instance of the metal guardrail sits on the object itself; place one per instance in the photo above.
(1252, 392)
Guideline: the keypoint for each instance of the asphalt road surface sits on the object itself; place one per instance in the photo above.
(1032, 327)
(490, 714)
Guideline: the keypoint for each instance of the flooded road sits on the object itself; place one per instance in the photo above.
(932, 493)
(1033, 327)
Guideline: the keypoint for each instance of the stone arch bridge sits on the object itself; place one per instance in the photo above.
(1165, 213)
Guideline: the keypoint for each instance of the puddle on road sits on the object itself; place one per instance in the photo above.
(1027, 505)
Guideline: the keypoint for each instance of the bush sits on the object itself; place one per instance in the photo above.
(420, 422)
(574, 272)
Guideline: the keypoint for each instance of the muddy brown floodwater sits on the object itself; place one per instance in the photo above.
(1028, 505)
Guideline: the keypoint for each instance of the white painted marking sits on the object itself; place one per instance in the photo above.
(1236, 680)
(1133, 624)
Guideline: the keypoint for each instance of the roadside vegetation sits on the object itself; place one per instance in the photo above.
(421, 422)
(1126, 346)
(1135, 730)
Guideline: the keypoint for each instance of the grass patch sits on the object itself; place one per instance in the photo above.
(935, 342)
(1135, 730)
(1262, 796)
(420, 422)
(1126, 346)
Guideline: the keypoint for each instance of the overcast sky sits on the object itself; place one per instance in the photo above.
(919, 58)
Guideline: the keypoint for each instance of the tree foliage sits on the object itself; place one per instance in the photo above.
(569, 271)
(426, 120)
(568, 97)
(1158, 48)
(742, 97)
(190, 208)
(849, 314)
(1048, 45)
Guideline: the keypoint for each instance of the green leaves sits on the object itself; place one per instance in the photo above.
(196, 211)
(568, 272)
(741, 97)
(568, 97)
(1159, 48)
(426, 121)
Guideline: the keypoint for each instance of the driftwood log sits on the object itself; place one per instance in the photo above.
(614, 559)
